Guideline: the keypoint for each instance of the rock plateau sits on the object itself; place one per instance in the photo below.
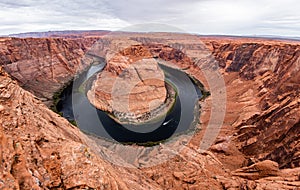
(131, 86)
(257, 147)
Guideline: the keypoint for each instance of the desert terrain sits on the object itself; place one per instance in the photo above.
(246, 137)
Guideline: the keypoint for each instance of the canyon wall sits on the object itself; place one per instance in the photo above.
(273, 68)
(132, 84)
(41, 150)
(257, 148)
(43, 66)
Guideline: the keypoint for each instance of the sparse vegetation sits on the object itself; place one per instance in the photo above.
(146, 144)
(73, 122)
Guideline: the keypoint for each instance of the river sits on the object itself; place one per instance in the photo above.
(74, 105)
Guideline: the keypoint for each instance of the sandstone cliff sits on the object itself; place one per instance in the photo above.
(39, 149)
(44, 66)
(132, 85)
(270, 71)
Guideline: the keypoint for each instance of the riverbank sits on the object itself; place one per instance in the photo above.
(151, 116)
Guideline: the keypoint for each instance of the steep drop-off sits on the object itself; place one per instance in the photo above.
(43, 66)
(133, 93)
(39, 149)
(270, 71)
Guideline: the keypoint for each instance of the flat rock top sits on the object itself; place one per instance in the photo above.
(262, 118)
(137, 89)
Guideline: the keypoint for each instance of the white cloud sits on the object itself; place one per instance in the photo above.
(243, 17)
(30, 16)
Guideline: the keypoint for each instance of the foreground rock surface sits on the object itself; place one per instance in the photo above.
(257, 148)
(41, 150)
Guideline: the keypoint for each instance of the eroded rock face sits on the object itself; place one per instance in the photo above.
(44, 66)
(39, 149)
(269, 74)
(131, 86)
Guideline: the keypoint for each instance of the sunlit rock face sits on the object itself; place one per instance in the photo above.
(40, 149)
(44, 65)
(131, 86)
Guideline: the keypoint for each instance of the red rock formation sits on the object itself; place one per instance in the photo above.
(43, 66)
(270, 71)
(131, 85)
(39, 149)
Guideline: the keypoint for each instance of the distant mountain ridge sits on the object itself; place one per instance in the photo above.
(85, 33)
(66, 33)
(97, 33)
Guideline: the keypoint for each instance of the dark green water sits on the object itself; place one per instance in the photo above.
(74, 105)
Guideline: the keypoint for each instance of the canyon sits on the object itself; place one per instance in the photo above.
(132, 89)
(257, 145)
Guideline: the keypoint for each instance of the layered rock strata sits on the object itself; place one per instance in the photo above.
(41, 150)
(137, 91)
(268, 92)
(132, 87)
(44, 66)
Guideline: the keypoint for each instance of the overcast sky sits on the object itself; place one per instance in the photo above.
(232, 17)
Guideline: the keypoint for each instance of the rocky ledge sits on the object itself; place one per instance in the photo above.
(44, 66)
(258, 147)
(151, 115)
(132, 88)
